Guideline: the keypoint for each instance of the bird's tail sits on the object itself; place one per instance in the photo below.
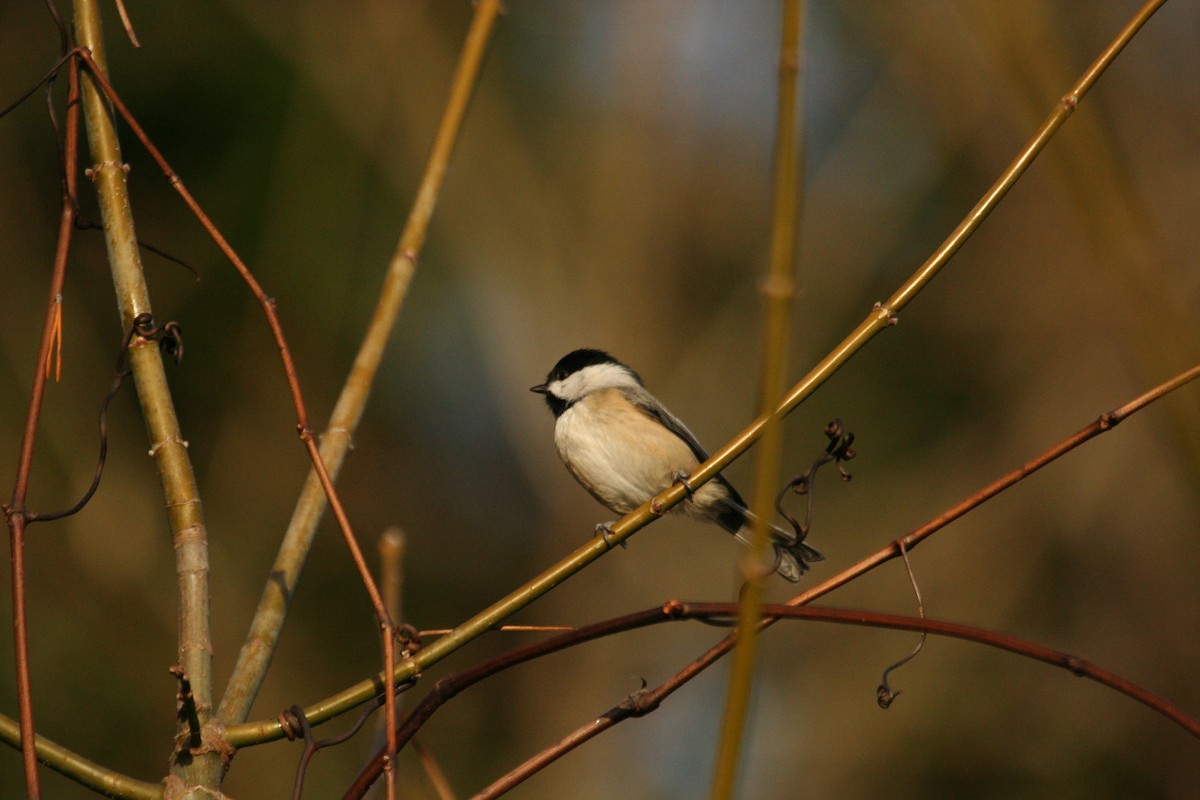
(794, 559)
(792, 556)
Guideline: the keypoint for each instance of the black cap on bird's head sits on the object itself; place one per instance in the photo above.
(570, 364)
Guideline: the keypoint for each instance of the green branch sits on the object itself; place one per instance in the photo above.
(79, 769)
(167, 445)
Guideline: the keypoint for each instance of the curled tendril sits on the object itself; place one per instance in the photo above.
(884, 694)
(170, 340)
(839, 450)
(169, 336)
(409, 639)
(295, 725)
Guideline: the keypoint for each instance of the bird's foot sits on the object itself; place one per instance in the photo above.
(681, 477)
(604, 531)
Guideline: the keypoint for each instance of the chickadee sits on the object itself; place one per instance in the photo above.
(624, 447)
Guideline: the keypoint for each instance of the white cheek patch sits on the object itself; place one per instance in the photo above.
(606, 376)
(590, 379)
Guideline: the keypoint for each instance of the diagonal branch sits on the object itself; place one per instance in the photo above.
(882, 316)
(267, 624)
(448, 687)
(84, 772)
(646, 701)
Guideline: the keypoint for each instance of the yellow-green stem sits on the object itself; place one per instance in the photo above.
(167, 446)
(265, 628)
(81, 770)
(778, 290)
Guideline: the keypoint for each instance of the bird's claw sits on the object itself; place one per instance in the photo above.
(604, 531)
(681, 478)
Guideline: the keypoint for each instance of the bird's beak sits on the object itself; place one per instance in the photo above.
(540, 388)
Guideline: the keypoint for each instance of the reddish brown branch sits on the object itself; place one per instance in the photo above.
(15, 511)
(267, 303)
(644, 702)
(449, 687)
(1102, 424)
(1073, 664)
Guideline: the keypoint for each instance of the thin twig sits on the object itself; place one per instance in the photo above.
(391, 579)
(884, 695)
(49, 77)
(393, 546)
(127, 24)
(505, 629)
(15, 512)
(297, 724)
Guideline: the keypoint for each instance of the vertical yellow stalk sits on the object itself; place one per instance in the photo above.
(778, 290)
(200, 772)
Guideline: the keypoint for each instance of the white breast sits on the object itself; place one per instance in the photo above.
(619, 453)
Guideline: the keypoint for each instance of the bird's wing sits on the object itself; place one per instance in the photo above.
(643, 400)
(646, 402)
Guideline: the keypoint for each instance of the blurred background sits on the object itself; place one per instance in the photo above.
(611, 189)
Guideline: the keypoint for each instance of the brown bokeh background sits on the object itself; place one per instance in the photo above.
(611, 189)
